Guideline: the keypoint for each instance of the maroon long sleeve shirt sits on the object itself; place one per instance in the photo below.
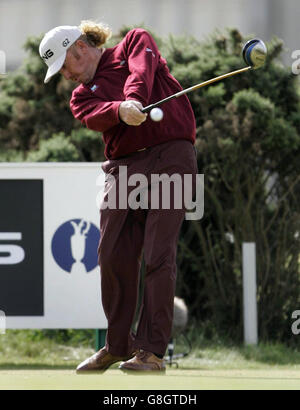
(133, 70)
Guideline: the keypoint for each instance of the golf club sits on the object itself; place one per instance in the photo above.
(254, 54)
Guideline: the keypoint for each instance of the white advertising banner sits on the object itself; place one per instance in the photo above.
(49, 233)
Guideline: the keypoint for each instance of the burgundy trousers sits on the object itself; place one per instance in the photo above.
(128, 233)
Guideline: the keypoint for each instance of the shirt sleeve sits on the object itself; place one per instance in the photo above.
(95, 114)
(143, 58)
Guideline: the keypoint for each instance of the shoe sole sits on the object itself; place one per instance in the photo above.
(136, 372)
(102, 370)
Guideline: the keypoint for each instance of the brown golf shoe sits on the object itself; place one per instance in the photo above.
(100, 361)
(144, 361)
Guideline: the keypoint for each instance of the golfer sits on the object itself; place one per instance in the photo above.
(114, 84)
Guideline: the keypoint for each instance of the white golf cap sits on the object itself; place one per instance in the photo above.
(54, 46)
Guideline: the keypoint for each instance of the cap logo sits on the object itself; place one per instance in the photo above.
(48, 54)
(66, 42)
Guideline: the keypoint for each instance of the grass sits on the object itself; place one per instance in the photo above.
(21, 349)
(175, 379)
(27, 349)
(35, 360)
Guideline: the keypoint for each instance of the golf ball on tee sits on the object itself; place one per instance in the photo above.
(156, 114)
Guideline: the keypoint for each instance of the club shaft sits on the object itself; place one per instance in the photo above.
(195, 87)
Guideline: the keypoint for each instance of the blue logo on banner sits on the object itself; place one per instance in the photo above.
(75, 243)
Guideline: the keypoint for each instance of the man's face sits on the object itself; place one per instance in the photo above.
(77, 66)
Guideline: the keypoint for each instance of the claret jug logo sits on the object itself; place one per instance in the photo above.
(74, 246)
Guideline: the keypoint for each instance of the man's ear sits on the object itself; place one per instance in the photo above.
(81, 46)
